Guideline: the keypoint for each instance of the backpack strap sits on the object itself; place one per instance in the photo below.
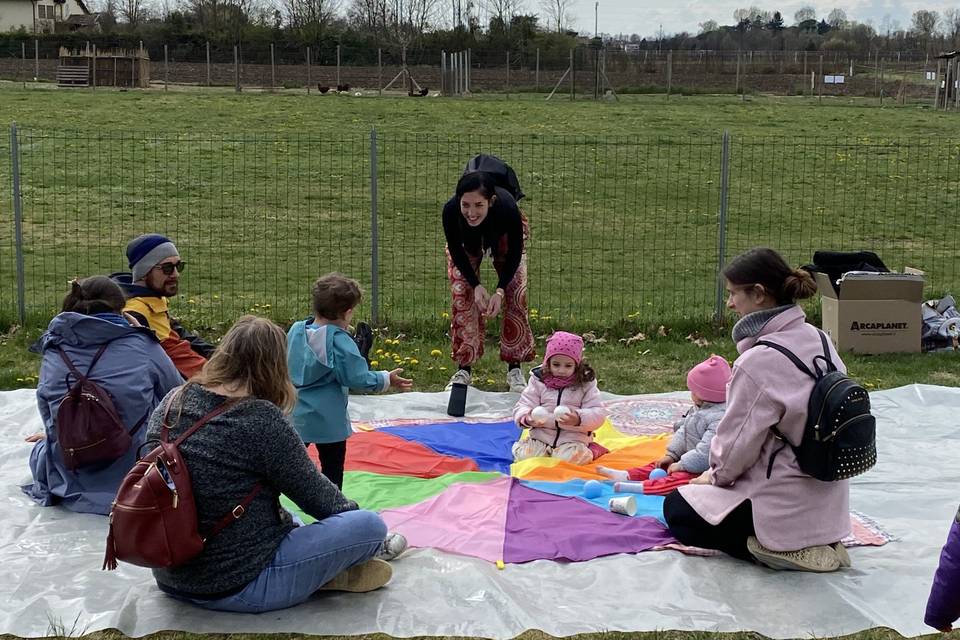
(235, 514)
(73, 369)
(165, 426)
(793, 358)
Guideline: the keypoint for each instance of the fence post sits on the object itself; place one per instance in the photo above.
(508, 74)
(236, 69)
(23, 63)
(208, 63)
(273, 70)
(669, 72)
(722, 224)
(308, 71)
(94, 68)
(36, 60)
(467, 57)
(538, 70)
(820, 82)
(166, 66)
(338, 67)
(374, 233)
(572, 78)
(379, 72)
(17, 221)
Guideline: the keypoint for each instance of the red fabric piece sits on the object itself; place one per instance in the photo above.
(392, 455)
(660, 486)
(597, 449)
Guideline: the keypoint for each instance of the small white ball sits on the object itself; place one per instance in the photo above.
(560, 412)
(539, 416)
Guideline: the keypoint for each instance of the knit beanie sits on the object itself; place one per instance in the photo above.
(709, 379)
(144, 252)
(562, 343)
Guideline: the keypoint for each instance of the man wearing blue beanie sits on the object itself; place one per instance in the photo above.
(155, 266)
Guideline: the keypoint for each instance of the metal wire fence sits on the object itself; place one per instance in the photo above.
(623, 230)
(288, 65)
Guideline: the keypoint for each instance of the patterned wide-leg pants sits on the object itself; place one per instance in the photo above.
(468, 326)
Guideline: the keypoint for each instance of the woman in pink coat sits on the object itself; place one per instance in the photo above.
(560, 405)
(754, 502)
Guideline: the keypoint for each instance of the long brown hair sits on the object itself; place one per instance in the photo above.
(252, 354)
(767, 268)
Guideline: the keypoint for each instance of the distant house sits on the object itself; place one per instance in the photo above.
(44, 16)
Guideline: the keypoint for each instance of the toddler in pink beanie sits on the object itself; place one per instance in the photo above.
(560, 405)
(689, 449)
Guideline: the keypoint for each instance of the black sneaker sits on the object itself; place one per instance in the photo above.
(363, 336)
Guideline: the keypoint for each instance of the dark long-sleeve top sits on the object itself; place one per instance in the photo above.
(503, 219)
(251, 442)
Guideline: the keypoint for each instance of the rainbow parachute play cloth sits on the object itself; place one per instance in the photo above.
(452, 485)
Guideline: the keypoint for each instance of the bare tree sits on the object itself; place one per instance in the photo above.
(557, 13)
(837, 18)
(400, 22)
(310, 17)
(503, 10)
(804, 13)
(133, 12)
(708, 26)
(951, 25)
(924, 24)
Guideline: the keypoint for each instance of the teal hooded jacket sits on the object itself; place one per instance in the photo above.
(325, 364)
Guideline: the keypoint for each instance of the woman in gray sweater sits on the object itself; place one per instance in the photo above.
(262, 561)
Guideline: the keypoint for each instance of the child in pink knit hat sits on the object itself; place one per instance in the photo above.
(560, 404)
(689, 449)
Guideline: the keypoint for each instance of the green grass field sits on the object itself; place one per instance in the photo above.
(264, 192)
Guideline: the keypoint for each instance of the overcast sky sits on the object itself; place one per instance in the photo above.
(646, 16)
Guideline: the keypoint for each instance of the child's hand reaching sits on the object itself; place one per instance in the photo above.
(404, 384)
(673, 468)
(569, 419)
(665, 462)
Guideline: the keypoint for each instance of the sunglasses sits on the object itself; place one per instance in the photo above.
(168, 267)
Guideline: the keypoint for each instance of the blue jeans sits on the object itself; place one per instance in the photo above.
(308, 558)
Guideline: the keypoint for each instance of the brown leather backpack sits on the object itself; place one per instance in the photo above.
(153, 521)
(89, 428)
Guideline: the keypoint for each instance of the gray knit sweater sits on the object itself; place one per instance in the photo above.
(251, 442)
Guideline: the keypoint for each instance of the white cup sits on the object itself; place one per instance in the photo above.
(626, 505)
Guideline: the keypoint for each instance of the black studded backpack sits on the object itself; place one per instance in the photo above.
(839, 439)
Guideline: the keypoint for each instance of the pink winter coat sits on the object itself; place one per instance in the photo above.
(791, 510)
(585, 398)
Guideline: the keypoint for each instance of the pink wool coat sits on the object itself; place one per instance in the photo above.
(791, 510)
(585, 398)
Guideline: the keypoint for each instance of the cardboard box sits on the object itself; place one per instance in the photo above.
(873, 312)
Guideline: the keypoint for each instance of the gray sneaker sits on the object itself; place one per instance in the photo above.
(819, 559)
(516, 381)
(394, 544)
(460, 377)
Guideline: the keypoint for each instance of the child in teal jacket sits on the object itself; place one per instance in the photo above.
(325, 364)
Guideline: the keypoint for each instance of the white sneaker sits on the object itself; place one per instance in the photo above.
(516, 381)
(460, 377)
(394, 544)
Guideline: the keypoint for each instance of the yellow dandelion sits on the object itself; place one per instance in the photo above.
(490, 381)
(445, 315)
(414, 361)
(374, 363)
(442, 368)
(379, 352)
(191, 301)
(436, 353)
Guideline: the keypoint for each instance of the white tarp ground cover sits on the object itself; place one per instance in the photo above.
(50, 558)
